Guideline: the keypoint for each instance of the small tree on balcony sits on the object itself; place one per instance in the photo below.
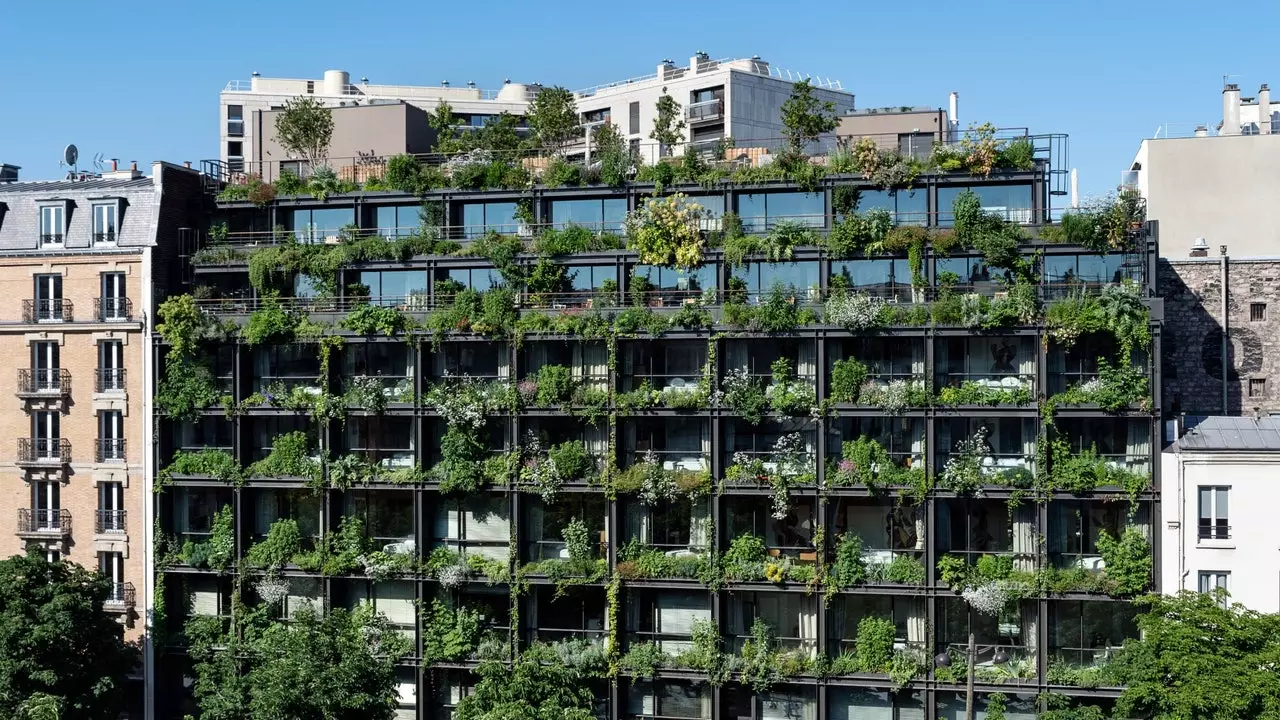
(805, 118)
(553, 117)
(304, 128)
(668, 126)
(58, 648)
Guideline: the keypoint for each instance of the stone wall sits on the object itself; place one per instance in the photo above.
(1192, 335)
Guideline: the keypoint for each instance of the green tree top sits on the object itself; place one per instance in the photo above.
(305, 128)
(444, 123)
(553, 118)
(805, 118)
(59, 651)
(668, 125)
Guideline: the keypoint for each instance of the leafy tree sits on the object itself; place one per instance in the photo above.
(805, 118)
(305, 128)
(499, 134)
(611, 151)
(553, 118)
(1200, 658)
(334, 666)
(668, 126)
(529, 690)
(60, 654)
(445, 124)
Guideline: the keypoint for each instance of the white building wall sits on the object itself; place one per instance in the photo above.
(1252, 553)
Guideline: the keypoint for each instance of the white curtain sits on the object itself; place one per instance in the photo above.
(676, 613)
(807, 361)
(737, 359)
(917, 358)
(809, 629)
(595, 358)
(446, 525)
(576, 369)
(1028, 441)
(537, 357)
(1138, 445)
(856, 704)
(1030, 627)
(1026, 359)
(787, 706)
(700, 525)
(917, 621)
(504, 362)
(638, 522)
(1024, 536)
(205, 598)
(596, 439)
(488, 521)
(705, 427)
(268, 511)
(917, 439)
(535, 516)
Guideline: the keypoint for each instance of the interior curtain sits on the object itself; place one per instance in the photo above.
(1030, 626)
(917, 622)
(917, 437)
(809, 629)
(836, 616)
(437, 363)
(1057, 360)
(596, 438)
(706, 442)
(1138, 443)
(1026, 359)
(699, 525)
(534, 531)
(1028, 441)
(577, 364)
(596, 359)
(268, 511)
(737, 359)
(917, 358)
(262, 367)
(1024, 537)
(638, 522)
(504, 362)
(704, 694)
(538, 357)
(807, 361)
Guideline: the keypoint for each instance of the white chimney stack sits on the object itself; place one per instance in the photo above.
(954, 109)
(1264, 110)
(1230, 110)
(1075, 188)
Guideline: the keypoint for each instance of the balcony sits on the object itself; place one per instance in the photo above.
(44, 383)
(44, 523)
(44, 451)
(108, 450)
(48, 310)
(113, 309)
(706, 111)
(104, 238)
(120, 597)
(107, 522)
(109, 380)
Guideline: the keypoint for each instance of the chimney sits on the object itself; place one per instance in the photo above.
(1230, 110)
(133, 165)
(115, 164)
(9, 173)
(186, 164)
(954, 107)
(1202, 131)
(1264, 110)
(117, 174)
(1200, 248)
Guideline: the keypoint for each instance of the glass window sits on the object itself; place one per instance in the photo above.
(479, 279)
(606, 214)
(480, 218)
(394, 287)
(52, 224)
(591, 277)
(877, 277)
(1213, 513)
(311, 226)
(761, 211)
(763, 277)
(1012, 202)
(104, 223)
(396, 220)
(909, 207)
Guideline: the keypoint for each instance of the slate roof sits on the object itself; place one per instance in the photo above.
(1230, 433)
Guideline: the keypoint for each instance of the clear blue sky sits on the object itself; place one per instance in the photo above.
(139, 80)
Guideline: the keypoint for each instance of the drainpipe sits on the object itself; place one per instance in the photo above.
(1226, 324)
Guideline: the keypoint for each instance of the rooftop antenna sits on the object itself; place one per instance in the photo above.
(70, 154)
(98, 162)
(1227, 77)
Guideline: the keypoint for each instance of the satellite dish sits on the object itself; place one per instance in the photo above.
(70, 155)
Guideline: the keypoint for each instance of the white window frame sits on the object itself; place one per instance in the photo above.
(57, 212)
(1214, 516)
(1209, 580)
(104, 211)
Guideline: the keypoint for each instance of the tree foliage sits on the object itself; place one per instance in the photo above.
(305, 128)
(553, 118)
(668, 125)
(1200, 659)
(59, 652)
(805, 117)
(529, 690)
(334, 666)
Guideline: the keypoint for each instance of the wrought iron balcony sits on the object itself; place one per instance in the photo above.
(113, 309)
(104, 238)
(109, 380)
(121, 596)
(44, 382)
(108, 449)
(109, 521)
(44, 451)
(47, 310)
(44, 523)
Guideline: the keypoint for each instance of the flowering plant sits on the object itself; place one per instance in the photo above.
(657, 484)
(667, 231)
(855, 311)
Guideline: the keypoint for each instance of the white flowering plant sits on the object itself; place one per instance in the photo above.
(855, 311)
(963, 471)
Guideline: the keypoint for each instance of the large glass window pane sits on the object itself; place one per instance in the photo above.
(614, 214)
(762, 277)
(804, 208)
(913, 206)
(751, 210)
(873, 276)
(1012, 202)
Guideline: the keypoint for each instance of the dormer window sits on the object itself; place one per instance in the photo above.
(53, 225)
(105, 222)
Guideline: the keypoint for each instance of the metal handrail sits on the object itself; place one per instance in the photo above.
(44, 381)
(47, 310)
(109, 521)
(113, 309)
(121, 594)
(109, 380)
(40, 520)
(109, 449)
(36, 450)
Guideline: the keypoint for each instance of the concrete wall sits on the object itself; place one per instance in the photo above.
(1252, 554)
(382, 130)
(887, 124)
(1221, 188)
(1192, 338)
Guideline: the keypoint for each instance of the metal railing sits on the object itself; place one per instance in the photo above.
(988, 380)
(1213, 530)
(121, 595)
(109, 521)
(50, 239)
(44, 450)
(113, 309)
(44, 381)
(47, 310)
(109, 449)
(707, 110)
(104, 238)
(39, 520)
(109, 380)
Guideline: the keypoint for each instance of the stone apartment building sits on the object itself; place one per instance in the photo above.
(80, 256)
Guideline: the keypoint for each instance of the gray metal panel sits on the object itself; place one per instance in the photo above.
(20, 226)
(1231, 433)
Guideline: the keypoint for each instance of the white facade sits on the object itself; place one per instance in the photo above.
(741, 99)
(1218, 520)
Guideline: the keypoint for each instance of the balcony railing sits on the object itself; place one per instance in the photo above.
(51, 382)
(706, 110)
(38, 451)
(47, 310)
(109, 380)
(50, 239)
(121, 595)
(113, 309)
(109, 521)
(109, 449)
(104, 238)
(41, 521)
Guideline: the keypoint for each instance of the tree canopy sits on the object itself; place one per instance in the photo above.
(334, 666)
(805, 118)
(1200, 659)
(553, 118)
(305, 128)
(59, 651)
(540, 686)
(668, 124)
